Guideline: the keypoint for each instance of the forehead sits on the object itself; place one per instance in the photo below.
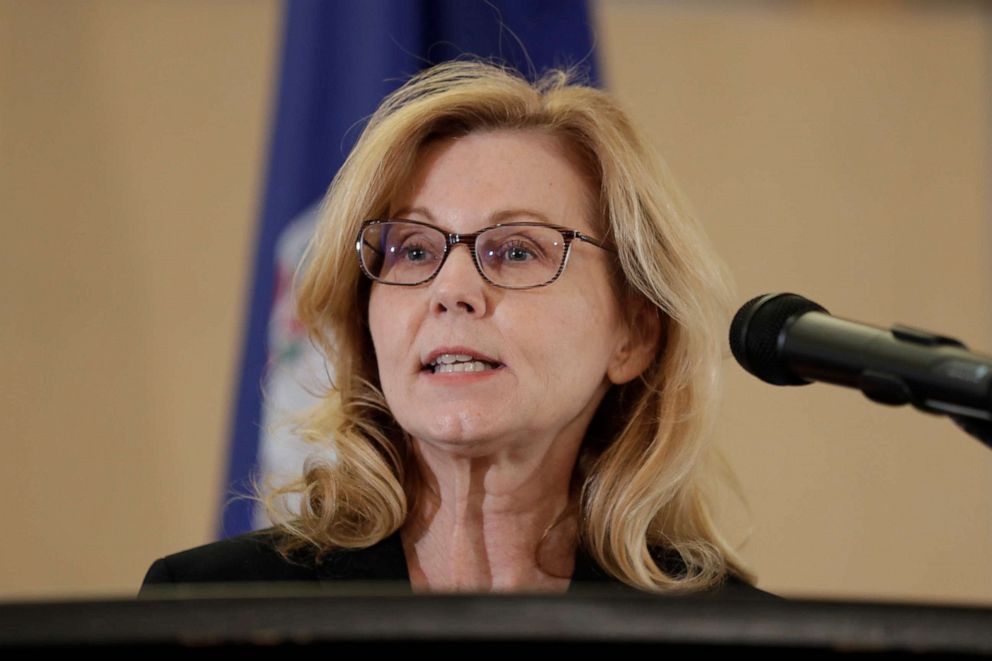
(466, 181)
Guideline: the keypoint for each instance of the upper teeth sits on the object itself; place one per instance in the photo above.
(449, 358)
(458, 362)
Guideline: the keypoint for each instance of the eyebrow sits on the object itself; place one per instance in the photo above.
(501, 216)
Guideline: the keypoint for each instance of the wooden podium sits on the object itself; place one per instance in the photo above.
(215, 619)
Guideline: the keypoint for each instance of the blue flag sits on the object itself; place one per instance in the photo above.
(339, 59)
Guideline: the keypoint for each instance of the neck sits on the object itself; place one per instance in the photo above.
(492, 523)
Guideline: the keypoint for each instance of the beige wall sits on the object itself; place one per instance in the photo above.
(836, 149)
(132, 136)
(839, 150)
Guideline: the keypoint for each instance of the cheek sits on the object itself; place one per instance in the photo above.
(385, 327)
(375, 320)
(571, 337)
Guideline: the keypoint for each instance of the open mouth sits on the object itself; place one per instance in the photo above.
(453, 363)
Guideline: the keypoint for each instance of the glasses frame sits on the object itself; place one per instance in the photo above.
(469, 240)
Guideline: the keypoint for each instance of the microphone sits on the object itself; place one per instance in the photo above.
(785, 339)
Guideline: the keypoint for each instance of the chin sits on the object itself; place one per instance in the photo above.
(457, 430)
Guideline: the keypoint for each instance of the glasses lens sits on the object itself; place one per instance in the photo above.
(401, 253)
(521, 255)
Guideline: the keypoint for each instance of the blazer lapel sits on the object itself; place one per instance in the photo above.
(384, 561)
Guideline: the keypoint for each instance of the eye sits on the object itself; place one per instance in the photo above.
(412, 249)
(414, 252)
(516, 251)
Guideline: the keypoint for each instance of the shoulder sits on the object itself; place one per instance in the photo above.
(248, 557)
(732, 588)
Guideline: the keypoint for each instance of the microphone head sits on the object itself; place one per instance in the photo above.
(755, 332)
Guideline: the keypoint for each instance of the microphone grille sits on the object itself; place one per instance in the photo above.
(755, 331)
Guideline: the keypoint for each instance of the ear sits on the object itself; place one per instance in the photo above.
(637, 345)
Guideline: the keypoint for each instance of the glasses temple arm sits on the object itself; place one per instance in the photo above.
(596, 242)
(373, 248)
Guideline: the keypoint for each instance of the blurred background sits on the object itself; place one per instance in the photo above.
(840, 150)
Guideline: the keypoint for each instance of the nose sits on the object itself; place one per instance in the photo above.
(458, 286)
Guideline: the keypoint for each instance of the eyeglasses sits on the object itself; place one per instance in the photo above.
(510, 255)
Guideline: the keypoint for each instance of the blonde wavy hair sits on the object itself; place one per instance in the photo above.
(643, 476)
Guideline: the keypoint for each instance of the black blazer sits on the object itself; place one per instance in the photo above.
(253, 557)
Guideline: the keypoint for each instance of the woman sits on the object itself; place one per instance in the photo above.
(525, 327)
